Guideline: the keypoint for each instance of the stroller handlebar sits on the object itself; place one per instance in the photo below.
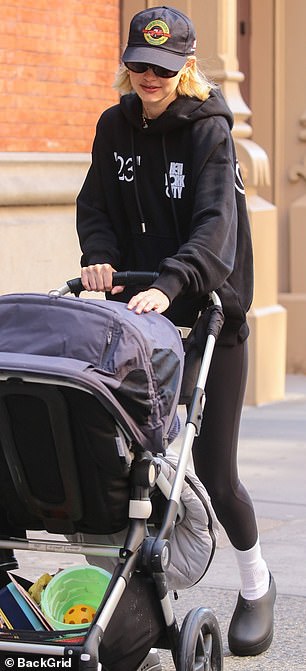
(126, 278)
(129, 278)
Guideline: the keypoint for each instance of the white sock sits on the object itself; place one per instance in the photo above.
(254, 574)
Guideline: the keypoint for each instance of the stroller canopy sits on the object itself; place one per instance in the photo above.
(132, 363)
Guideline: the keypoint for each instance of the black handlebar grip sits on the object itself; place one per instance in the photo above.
(127, 278)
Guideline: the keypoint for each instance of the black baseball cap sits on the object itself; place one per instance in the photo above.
(161, 36)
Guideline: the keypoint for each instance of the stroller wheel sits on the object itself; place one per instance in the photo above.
(200, 642)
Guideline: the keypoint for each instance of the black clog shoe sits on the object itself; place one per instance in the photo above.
(251, 627)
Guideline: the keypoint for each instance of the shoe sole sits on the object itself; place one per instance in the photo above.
(252, 650)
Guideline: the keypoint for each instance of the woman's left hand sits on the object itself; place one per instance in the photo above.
(152, 299)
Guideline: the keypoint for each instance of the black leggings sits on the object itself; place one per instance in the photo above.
(215, 450)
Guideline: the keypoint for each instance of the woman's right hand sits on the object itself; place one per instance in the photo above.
(99, 277)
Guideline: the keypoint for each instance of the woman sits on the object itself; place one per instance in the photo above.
(164, 193)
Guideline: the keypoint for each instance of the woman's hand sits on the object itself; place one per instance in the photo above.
(152, 299)
(99, 277)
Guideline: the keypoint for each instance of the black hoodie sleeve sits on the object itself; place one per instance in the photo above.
(206, 260)
(96, 233)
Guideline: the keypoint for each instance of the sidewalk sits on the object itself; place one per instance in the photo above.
(272, 465)
(272, 462)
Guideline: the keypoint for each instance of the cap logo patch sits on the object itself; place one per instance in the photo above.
(156, 32)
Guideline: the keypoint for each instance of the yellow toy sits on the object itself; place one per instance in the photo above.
(36, 589)
(79, 614)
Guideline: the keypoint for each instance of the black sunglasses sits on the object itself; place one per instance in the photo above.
(157, 69)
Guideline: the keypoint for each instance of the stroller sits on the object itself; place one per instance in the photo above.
(88, 405)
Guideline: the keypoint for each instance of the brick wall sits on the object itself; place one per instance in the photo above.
(57, 63)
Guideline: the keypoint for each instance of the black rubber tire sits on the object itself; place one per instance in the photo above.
(200, 642)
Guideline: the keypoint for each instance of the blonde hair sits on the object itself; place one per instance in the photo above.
(193, 82)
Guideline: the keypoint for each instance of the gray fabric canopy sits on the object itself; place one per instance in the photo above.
(134, 362)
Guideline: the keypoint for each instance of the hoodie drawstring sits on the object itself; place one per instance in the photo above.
(138, 201)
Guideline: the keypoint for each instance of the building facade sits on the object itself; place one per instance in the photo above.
(57, 68)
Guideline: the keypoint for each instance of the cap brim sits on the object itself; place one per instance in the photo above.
(155, 56)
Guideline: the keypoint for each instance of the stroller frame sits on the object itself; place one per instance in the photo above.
(199, 637)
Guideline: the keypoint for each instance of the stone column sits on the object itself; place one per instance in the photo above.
(267, 319)
(295, 300)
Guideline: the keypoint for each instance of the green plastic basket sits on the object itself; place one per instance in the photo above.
(72, 586)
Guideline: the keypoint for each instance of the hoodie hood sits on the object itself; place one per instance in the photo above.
(183, 110)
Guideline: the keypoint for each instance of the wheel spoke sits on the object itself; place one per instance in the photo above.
(203, 655)
(199, 661)
(208, 645)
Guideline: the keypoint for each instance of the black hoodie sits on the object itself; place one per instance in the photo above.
(197, 233)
